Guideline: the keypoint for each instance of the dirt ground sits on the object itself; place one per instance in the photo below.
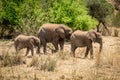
(105, 66)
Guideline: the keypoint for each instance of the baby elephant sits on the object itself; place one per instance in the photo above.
(29, 42)
(85, 39)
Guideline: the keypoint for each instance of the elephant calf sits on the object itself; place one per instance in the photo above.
(23, 41)
(85, 39)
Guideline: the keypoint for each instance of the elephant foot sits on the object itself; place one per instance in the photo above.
(26, 54)
(84, 57)
(53, 51)
(91, 57)
(37, 52)
(73, 55)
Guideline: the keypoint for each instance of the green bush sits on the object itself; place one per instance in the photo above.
(28, 15)
(72, 13)
(99, 9)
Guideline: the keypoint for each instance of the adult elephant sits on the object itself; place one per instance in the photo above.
(85, 39)
(29, 42)
(54, 33)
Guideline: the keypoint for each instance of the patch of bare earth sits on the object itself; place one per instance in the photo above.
(104, 66)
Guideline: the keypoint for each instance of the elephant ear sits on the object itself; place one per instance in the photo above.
(33, 40)
(60, 31)
(99, 35)
(92, 35)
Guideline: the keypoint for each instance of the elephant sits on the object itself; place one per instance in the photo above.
(29, 42)
(55, 34)
(85, 39)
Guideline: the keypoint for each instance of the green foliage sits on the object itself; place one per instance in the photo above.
(69, 12)
(85, 22)
(28, 15)
(99, 9)
(9, 16)
(9, 13)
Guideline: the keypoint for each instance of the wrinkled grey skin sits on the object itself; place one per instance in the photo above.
(85, 39)
(54, 33)
(29, 42)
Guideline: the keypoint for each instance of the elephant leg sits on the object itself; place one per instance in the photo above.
(56, 47)
(87, 51)
(44, 48)
(38, 50)
(16, 45)
(32, 51)
(61, 43)
(91, 52)
(44, 45)
(16, 48)
(55, 44)
(27, 51)
(73, 48)
(31, 47)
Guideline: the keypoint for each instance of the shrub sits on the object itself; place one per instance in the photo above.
(43, 63)
(11, 60)
(48, 64)
(28, 15)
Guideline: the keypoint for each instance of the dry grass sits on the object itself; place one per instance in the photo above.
(47, 64)
(44, 63)
(34, 62)
(116, 33)
(11, 60)
(63, 55)
(62, 66)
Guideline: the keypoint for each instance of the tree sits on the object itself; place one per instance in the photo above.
(116, 20)
(18, 15)
(8, 16)
(73, 13)
(117, 4)
(28, 15)
(100, 9)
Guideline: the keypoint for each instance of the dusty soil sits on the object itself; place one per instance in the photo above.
(104, 66)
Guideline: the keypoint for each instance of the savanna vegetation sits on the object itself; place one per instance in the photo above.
(28, 15)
